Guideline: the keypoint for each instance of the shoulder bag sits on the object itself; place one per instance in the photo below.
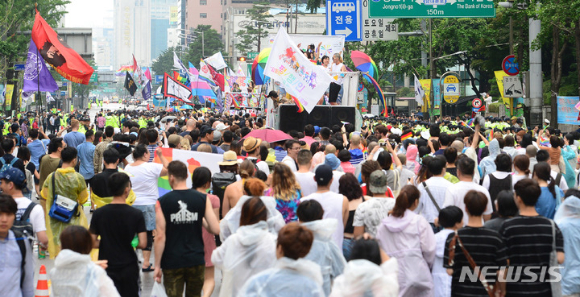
(63, 208)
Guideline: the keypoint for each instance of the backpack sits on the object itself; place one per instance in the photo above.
(24, 226)
(7, 166)
(219, 183)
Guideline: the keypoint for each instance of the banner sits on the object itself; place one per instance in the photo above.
(58, 54)
(436, 93)
(37, 77)
(499, 78)
(216, 61)
(326, 45)
(426, 84)
(192, 160)
(295, 72)
(146, 92)
(173, 88)
(9, 92)
(130, 84)
(419, 92)
(567, 112)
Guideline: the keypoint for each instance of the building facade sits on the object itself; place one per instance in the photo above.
(132, 32)
(204, 12)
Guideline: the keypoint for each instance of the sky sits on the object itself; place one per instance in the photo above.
(87, 13)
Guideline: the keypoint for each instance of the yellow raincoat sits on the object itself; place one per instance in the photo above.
(70, 184)
(102, 201)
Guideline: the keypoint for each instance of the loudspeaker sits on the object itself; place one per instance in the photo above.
(321, 115)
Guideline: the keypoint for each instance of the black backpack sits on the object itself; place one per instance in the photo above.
(22, 247)
(23, 226)
(219, 183)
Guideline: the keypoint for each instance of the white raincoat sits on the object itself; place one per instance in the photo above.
(289, 278)
(76, 275)
(363, 278)
(231, 222)
(487, 164)
(252, 249)
(568, 219)
(324, 251)
(410, 239)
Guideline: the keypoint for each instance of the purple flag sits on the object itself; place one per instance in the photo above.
(146, 92)
(36, 68)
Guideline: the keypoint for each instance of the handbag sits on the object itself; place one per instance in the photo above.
(488, 288)
(555, 286)
(63, 208)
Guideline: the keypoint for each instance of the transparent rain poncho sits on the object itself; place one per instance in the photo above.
(231, 222)
(289, 278)
(69, 184)
(568, 219)
(362, 278)
(76, 275)
(249, 251)
(324, 251)
(487, 164)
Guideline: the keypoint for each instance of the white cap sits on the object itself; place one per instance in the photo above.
(546, 121)
(221, 127)
(425, 134)
(396, 131)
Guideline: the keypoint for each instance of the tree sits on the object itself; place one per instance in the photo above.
(210, 44)
(83, 91)
(313, 5)
(164, 63)
(252, 34)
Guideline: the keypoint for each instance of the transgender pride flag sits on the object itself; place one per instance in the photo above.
(200, 87)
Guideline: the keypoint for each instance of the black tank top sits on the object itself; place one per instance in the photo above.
(497, 185)
(183, 211)
(349, 228)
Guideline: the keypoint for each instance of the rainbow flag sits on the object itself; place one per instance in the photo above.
(234, 101)
(470, 122)
(379, 92)
(299, 106)
(490, 137)
(123, 69)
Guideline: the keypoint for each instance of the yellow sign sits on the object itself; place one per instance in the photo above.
(499, 75)
(173, 15)
(451, 89)
(426, 84)
(9, 91)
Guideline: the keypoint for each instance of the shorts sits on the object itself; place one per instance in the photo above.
(191, 277)
(126, 279)
(88, 181)
(149, 215)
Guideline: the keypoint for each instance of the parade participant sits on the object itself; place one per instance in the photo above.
(66, 183)
(286, 190)
(249, 251)
(551, 195)
(235, 190)
(370, 213)
(568, 220)
(113, 228)
(101, 193)
(335, 205)
(179, 252)
(101, 147)
(74, 138)
(304, 177)
(433, 191)
(409, 238)
(506, 209)
(350, 188)
(144, 176)
(324, 251)
(450, 219)
(292, 275)
(9, 159)
(74, 273)
(335, 68)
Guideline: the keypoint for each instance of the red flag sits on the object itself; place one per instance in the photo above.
(58, 54)
(217, 77)
(148, 107)
(135, 66)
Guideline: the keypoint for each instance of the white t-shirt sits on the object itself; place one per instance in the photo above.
(144, 182)
(263, 166)
(290, 163)
(332, 205)
(307, 183)
(36, 215)
(336, 175)
(456, 193)
(371, 212)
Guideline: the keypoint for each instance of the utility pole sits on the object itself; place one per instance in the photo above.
(431, 64)
(536, 98)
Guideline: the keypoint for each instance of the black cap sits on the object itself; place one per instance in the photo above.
(272, 94)
(205, 129)
(323, 174)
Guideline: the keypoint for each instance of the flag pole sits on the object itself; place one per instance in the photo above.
(37, 70)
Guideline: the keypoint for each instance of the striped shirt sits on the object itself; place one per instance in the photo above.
(486, 247)
(529, 243)
(151, 148)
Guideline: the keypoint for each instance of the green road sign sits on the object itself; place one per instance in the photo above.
(252, 55)
(431, 9)
(94, 77)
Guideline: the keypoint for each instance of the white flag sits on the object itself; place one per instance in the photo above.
(216, 61)
(49, 97)
(179, 65)
(419, 92)
(301, 79)
(176, 90)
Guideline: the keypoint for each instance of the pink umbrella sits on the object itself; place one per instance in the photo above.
(269, 135)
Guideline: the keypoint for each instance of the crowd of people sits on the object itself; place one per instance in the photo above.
(397, 207)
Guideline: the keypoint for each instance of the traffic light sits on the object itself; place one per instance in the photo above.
(242, 59)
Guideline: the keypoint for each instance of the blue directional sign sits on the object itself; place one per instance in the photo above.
(18, 67)
(63, 93)
(344, 17)
(158, 79)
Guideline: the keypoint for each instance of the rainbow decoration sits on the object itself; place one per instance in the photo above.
(364, 63)
(259, 65)
(299, 106)
(200, 87)
(123, 69)
(379, 92)
(234, 101)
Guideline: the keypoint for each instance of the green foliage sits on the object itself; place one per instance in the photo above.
(212, 43)
(405, 92)
(250, 36)
(81, 90)
(312, 5)
(164, 62)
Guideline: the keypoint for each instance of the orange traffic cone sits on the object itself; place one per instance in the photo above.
(42, 285)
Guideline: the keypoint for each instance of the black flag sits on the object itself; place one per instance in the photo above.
(130, 84)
